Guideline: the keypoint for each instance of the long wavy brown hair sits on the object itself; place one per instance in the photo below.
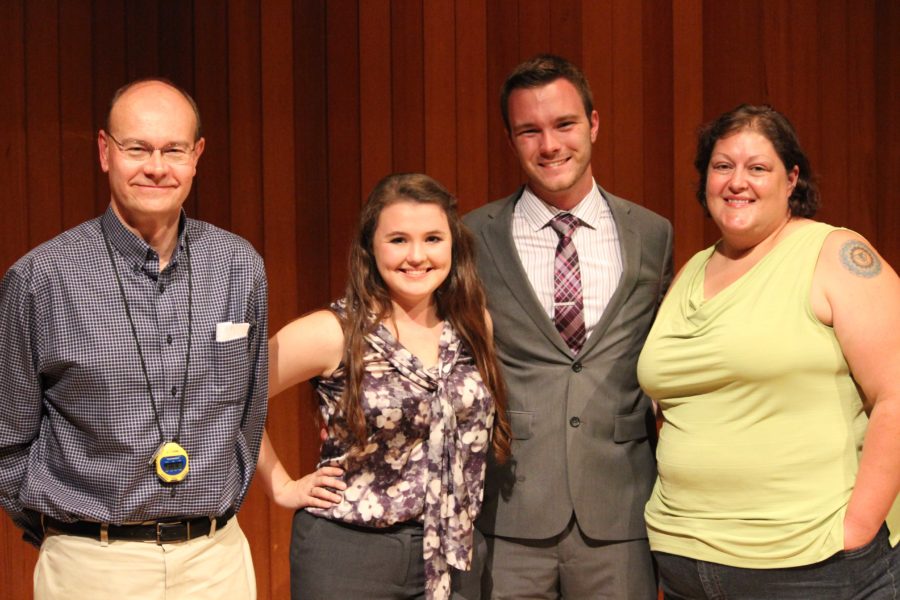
(460, 300)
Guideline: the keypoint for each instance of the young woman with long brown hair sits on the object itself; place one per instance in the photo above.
(412, 402)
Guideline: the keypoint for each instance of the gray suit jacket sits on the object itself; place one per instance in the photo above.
(583, 432)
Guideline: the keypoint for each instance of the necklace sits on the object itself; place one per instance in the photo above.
(170, 458)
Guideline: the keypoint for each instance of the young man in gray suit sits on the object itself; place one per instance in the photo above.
(564, 518)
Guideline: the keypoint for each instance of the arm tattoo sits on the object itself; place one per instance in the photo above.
(859, 259)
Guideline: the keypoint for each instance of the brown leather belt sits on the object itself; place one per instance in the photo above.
(169, 531)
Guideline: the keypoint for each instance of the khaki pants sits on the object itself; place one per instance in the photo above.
(218, 567)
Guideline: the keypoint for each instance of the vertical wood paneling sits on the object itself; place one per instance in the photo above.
(502, 56)
(311, 166)
(597, 64)
(440, 91)
(687, 73)
(279, 225)
(658, 123)
(375, 114)
(279, 207)
(344, 150)
(534, 25)
(407, 85)
(245, 114)
(109, 61)
(306, 103)
(776, 44)
(793, 88)
(300, 445)
(141, 38)
(312, 232)
(13, 138)
(887, 89)
(474, 100)
(245, 201)
(864, 191)
(565, 28)
(212, 190)
(627, 99)
(177, 43)
(832, 92)
(42, 120)
(175, 58)
(77, 160)
(16, 557)
(733, 64)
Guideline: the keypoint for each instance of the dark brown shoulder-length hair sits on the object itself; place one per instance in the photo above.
(774, 126)
(460, 300)
(543, 70)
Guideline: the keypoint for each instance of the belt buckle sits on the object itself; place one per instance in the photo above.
(170, 532)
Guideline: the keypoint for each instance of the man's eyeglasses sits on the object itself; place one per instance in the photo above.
(140, 151)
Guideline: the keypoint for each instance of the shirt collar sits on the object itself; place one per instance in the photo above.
(135, 250)
(538, 214)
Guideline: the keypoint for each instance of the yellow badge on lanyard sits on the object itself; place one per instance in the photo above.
(172, 462)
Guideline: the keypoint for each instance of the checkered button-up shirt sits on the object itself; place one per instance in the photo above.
(77, 430)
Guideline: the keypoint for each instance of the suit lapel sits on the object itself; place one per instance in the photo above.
(498, 240)
(630, 244)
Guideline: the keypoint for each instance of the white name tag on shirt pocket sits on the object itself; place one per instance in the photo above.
(227, 331)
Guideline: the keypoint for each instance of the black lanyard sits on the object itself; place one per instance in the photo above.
(137, 343)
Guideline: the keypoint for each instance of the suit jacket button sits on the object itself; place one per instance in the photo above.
(574, 421)
(576, 366)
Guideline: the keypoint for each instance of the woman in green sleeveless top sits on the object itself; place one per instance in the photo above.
(775, 359)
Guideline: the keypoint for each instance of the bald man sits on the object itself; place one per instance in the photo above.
(133, 373)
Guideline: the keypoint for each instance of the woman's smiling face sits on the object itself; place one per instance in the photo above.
(413, 250)
(748, 187)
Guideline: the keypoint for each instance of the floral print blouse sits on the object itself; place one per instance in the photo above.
(429, 434)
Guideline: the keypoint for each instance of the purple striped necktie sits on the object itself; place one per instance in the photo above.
(568, 302)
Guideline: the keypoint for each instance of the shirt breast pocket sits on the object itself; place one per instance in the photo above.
(231, 369)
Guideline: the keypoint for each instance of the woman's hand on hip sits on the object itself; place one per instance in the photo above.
(319, 489)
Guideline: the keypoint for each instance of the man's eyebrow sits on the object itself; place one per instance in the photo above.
(139, 141)
(530, 125)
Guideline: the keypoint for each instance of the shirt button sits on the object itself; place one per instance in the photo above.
(174, 390)
(168, 339)
(574, 421)
(576, 366)
(162, 288)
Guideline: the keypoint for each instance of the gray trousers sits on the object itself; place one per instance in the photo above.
(335, 561)
(570, 566)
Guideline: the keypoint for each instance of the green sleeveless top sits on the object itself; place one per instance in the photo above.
(763, 423)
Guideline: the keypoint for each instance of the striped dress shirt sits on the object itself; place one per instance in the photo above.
(596, 240)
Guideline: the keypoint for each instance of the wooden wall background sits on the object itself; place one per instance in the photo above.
(307, 103)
